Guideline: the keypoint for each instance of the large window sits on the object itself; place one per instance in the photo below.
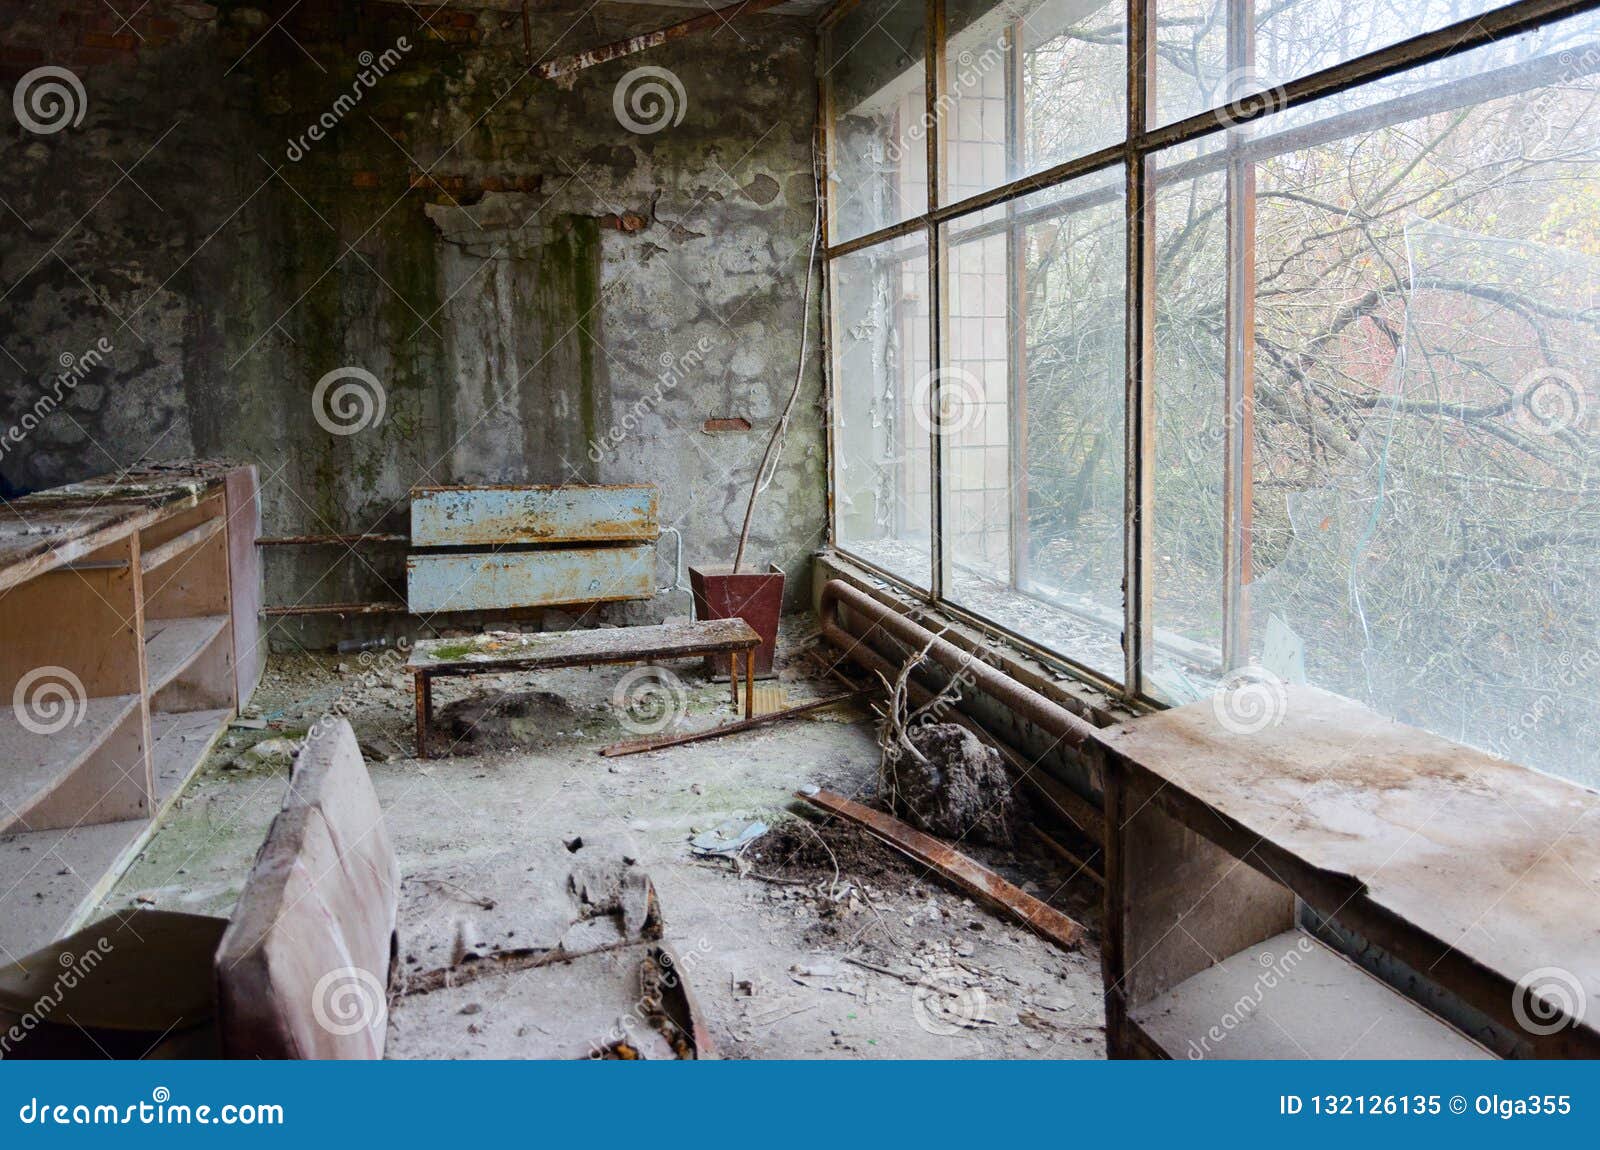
(1362, 240)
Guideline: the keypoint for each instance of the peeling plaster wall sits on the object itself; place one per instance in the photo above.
(543, 295)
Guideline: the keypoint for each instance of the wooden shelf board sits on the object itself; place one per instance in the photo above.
(1319, 1005)
(48, 879)
(39, 903)
(30, 764)
(182, 742)
(164, 553)
(172, 644)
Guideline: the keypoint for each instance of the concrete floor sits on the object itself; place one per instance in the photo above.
(884, 962)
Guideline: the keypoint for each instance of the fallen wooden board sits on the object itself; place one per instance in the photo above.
(656, 742)
(979, 881)
(303, 969)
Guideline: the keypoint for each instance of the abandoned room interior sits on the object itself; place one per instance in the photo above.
(800, 529)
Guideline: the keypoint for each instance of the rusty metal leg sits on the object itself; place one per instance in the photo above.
(733, 678)
(424, 710)
(750, 684)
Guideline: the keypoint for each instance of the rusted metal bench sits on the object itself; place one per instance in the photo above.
(485, 654)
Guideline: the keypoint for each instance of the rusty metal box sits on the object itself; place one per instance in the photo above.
(479, 581)
(501, 515)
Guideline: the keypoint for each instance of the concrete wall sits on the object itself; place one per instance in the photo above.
(542, 293)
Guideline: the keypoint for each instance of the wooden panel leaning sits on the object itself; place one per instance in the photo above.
(303, 970)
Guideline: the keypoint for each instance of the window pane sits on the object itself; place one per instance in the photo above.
(877, 135)
(1293, 38)
(881, 438)
(1192, 429)
(1032, 416)
(1424, 467)
(1029, 84)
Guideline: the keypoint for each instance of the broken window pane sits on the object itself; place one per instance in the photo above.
(1032, 391)
(878, 126)
(1422, 474)
(881, 435)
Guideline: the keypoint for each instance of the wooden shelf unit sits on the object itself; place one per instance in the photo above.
(1457, 875)
(128, 638)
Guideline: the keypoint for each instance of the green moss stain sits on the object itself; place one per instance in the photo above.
(568, 301)
(586, 293)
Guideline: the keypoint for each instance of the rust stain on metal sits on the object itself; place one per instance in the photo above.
(330, 540)
(549, 577)
(979, 881)
(466, 516)
(1051, 717)
(337, 609)
(579, 61)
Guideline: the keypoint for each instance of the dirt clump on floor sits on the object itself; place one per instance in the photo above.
(505, 721)
(802, 850)
(954, 786)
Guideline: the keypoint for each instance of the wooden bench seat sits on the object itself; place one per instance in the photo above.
(498, 652)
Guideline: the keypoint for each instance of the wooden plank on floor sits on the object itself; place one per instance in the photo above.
(977, 880)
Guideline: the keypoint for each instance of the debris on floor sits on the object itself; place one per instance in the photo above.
(939, 776)
(728, 837)
(953, 786)
(541, 969)
(481, 836)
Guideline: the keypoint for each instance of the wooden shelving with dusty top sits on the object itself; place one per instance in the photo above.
(128, 639)
(1249, 866)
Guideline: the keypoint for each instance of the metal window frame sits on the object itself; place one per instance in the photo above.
(1134, 154)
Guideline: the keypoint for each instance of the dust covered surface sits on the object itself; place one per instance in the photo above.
(880, 960)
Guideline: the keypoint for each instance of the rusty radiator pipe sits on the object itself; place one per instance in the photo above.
(1052, 718)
